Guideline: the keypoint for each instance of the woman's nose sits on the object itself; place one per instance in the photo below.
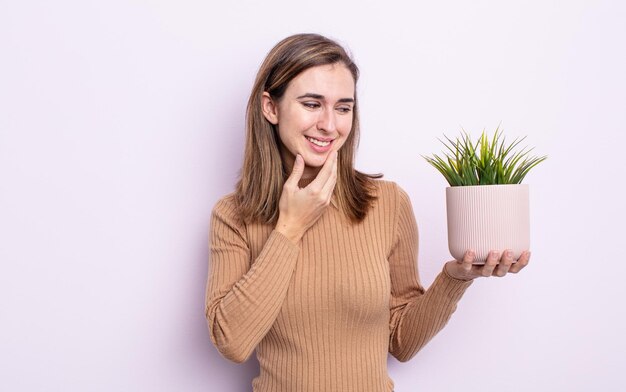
(327, 121)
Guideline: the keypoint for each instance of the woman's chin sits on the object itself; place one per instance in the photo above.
(316, 162)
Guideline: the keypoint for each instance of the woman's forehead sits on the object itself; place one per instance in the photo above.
(330, 81)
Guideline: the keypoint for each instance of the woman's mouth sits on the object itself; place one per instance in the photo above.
(319, 146)
(318, 142)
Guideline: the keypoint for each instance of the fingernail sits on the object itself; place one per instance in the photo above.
(509, 253)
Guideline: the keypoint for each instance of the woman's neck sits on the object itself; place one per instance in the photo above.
(309, 174)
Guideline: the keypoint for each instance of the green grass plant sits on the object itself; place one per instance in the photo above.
(488, 161)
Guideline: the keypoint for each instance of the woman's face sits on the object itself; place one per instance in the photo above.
(314, 116)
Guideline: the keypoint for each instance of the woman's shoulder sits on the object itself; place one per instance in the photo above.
(388, 189)
(226, 209)
(392, 196)
(226, 202)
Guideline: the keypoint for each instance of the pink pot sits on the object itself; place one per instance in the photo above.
(488, 217)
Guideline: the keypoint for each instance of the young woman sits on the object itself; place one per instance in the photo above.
(313, 263)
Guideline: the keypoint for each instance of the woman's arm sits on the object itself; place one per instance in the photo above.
(242, 302)
(417, 315)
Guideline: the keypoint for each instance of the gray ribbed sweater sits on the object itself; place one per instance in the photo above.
(323, 314)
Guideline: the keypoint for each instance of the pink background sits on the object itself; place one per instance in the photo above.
(121, 124)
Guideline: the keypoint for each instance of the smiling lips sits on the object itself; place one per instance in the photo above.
(322, 142)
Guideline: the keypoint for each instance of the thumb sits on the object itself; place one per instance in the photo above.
(296, 171)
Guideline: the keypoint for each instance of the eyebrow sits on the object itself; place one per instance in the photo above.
(321, 97)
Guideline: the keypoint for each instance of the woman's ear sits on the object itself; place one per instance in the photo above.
(270, 108)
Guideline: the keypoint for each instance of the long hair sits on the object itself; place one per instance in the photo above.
(263, 173)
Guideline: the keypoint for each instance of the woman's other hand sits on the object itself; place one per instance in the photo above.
(495, 265)
(299, 208)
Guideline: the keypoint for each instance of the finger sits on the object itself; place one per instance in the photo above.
(468, 261)
(325, 172)
(331, 182)
(490, 264)
(521, 262)
(296, 172)
(505, 263)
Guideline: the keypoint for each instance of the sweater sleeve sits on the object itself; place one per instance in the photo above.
(417, 315)
(244, 297)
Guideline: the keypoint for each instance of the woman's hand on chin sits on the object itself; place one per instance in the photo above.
(299, 208)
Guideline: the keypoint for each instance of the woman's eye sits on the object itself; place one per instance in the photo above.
(344, 109)
(311, 105)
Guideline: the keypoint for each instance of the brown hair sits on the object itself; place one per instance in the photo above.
(263, 174)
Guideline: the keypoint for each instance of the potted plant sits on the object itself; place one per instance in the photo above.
(487, 206)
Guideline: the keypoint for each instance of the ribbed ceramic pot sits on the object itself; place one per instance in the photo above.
(488, 217)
